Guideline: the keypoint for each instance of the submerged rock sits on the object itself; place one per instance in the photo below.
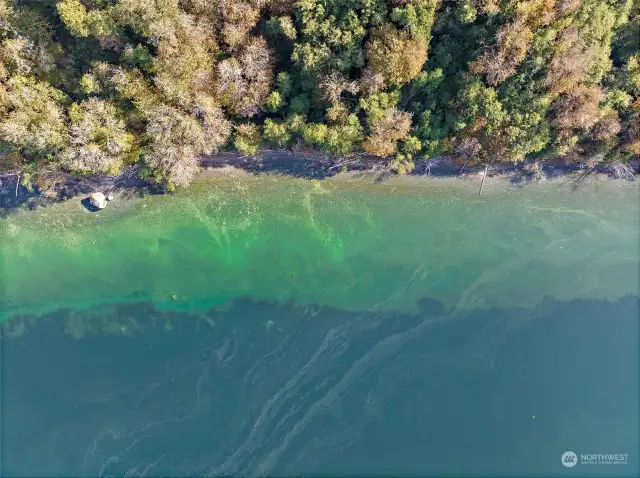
(98, 200)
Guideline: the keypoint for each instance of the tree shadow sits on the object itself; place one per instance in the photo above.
(67, 186)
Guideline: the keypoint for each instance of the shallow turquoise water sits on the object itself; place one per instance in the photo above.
(353, 244)
(269, 325)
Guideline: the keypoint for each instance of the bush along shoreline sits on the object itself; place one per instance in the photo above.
(108, 88)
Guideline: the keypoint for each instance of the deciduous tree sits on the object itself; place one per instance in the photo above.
(500, 61)
(386, 131)
(244, 82)
(396, 56)
(98, 139)
(32, 119)
(577, 109)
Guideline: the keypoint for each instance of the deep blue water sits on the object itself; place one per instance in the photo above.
(280, 389)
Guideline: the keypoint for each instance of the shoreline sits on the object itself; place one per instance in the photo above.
(309, 165)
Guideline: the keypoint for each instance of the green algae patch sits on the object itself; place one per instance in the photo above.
(352, 243)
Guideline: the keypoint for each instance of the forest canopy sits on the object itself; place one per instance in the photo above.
(92, 86)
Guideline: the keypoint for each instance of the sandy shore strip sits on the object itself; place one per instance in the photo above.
(304, 164)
